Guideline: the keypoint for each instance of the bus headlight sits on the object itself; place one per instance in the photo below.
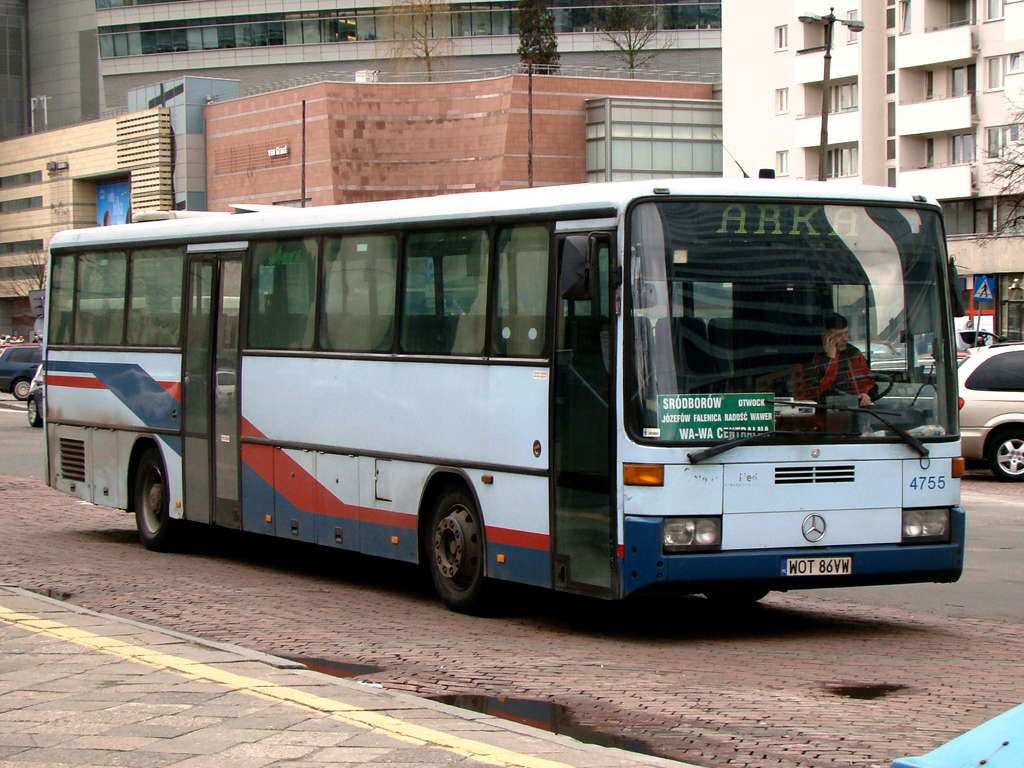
(690, 534)
(925, 526)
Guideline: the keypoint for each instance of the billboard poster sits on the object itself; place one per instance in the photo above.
(113, 203)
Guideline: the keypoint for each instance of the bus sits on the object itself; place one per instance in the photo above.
(609, 389)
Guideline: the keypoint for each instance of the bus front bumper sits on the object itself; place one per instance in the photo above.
(645, 569)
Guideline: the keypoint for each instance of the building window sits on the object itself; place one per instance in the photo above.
(781, 38)
(929, 85)
(843, 98)
(782, 163)
(994, 9)
(961, 12)
(904, 17)
(929, 153)
(994, 67)
(962, 80)
(781, 101)
(842, 161)
(963, 149)
(1002, 136)
(851, 36)
(21, 204)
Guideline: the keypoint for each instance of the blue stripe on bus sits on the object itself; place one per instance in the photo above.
(646, 569)
(522, 564)
(129, 383)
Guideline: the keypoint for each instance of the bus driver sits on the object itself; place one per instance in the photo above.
(841, 368)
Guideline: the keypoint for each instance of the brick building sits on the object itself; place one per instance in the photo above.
(340, 142)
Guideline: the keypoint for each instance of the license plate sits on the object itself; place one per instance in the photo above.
(817, 566)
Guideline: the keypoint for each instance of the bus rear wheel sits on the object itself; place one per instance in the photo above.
(152, 516)
(455, 547)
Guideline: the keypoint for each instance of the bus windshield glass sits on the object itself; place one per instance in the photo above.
(791, 317)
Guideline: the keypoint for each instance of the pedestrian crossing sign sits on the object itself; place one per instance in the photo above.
(984, 288)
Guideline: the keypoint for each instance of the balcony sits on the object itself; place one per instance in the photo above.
(944, 183)
(938, 47)
(936, 116)
(809, 65)
(843, 128)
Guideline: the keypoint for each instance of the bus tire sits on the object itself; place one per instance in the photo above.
(152, 513)
(455, 550)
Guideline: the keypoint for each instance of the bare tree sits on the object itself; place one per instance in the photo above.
(1005, 149)
(632, 32)
(421, 30)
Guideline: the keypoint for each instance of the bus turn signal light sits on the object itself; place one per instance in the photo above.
(959, 466)
(643, 474)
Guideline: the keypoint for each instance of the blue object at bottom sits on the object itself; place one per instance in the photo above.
(646, 569)
(998, 743)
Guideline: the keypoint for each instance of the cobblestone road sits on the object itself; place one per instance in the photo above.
(774, 685)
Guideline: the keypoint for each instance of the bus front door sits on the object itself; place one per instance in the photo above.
(210, 389)
(583, 526)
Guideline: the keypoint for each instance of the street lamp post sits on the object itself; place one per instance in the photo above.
(828, 22)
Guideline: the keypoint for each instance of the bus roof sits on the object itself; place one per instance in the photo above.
(607, 199)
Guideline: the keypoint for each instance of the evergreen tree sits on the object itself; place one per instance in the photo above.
(537, 43)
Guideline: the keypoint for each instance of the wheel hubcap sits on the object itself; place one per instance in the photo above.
(153, 499)
(457, 546)
(1011, 457)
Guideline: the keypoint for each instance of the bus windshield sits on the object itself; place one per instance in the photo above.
(789, 317)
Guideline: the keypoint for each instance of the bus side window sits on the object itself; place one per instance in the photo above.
(62, 297)
(520, 306)
(360, 273)
(445, 281)
(154, 309)
(283, 294)
(100, 298)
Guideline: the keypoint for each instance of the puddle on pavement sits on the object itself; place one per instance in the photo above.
(863, 692)
(555, 718)
(336, 668)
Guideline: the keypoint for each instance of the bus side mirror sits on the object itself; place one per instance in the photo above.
(574, 277)
(956, 300)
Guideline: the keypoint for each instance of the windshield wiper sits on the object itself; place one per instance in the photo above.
(754, 437)
(902, 434)
(698, 456)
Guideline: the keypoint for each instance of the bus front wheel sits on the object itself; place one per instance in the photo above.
(152, 518)
(455, 549)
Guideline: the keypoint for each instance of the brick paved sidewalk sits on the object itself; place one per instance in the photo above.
(82, 689)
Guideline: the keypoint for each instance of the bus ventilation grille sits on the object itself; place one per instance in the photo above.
(72, 460)
(843, 473)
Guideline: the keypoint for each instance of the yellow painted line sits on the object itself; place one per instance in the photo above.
(347, 713)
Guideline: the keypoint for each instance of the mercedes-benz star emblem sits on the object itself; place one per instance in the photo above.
(813, 528)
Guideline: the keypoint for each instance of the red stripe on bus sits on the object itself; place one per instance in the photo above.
(76, 382)
(173, 388)
(384, 517)
(539, 541)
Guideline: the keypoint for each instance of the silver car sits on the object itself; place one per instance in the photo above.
(36, 403)
(992, 409)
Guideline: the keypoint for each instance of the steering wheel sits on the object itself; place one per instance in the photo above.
(887, 380)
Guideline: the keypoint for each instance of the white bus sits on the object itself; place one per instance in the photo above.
(609, 389)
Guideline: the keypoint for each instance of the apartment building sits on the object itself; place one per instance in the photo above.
(91, 174)
(926, 97)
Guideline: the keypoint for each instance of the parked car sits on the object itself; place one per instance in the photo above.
(18, 365)
(968, 338)
(36, 399)
(992, 409)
